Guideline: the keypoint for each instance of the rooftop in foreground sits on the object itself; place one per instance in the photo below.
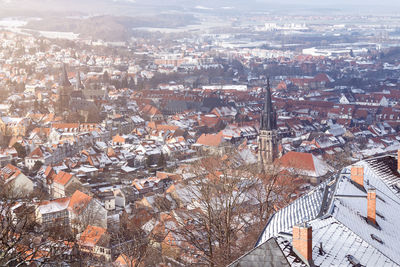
(351, 219)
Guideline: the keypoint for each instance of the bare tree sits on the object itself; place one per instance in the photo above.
(230, 203)
(341, 159)
(210, 228)
(133, 244)
(273, 187)
(21, 241)
(87, 212)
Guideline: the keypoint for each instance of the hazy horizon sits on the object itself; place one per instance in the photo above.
(127, 7)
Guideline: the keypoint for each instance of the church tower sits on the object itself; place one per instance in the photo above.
(78, 85)
(268, 138)
(64, 92)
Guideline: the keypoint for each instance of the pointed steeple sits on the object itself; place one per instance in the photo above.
(64, 77)
(268, 99)
(268, 117)
(78, 80)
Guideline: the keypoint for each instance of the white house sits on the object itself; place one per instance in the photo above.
(18, 182)
(62, 182)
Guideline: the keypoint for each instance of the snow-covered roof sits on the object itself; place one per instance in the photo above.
(338, 242)
(337, 212)
(305, 208)
(54, 205)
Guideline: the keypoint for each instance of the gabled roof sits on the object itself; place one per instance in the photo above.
(323, 77)
(9, 172)
(211, 139)
(48, 171)
(304, 164)
(150, 110)
(92, 236)
(268, 254)
(62, 177)
(79, 202)
(55, 205)
(36, 153)
(124, 261)
(118, 139)
(225, 111)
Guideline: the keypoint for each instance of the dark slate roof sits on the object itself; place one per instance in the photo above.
(268, 254)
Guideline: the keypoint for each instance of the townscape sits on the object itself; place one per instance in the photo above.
(257, 144)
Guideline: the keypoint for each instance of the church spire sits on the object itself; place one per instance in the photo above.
(78, 80)
(268, 117)
(64, 77)
(64, 92)
(268, 138)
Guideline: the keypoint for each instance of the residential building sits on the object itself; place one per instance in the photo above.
(62, 182)
(19, 184)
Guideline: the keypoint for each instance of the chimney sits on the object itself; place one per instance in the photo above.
(398, 160)
(357, 174)
(371, 205)
(302, 242)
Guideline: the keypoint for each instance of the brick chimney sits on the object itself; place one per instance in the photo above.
(302, 241)
(398, 160)
(371, 205)
(357, 174)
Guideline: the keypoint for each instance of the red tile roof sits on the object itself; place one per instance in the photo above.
(91, 235)
(150, 110)
(298, 160)
(62, 178)
(9, 171)
(78, 202)
(210, 139)
(36, 153)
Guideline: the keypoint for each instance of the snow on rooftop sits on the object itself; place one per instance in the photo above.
(337, 243)
(54, 206)
(303, 209)
(337, 212)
